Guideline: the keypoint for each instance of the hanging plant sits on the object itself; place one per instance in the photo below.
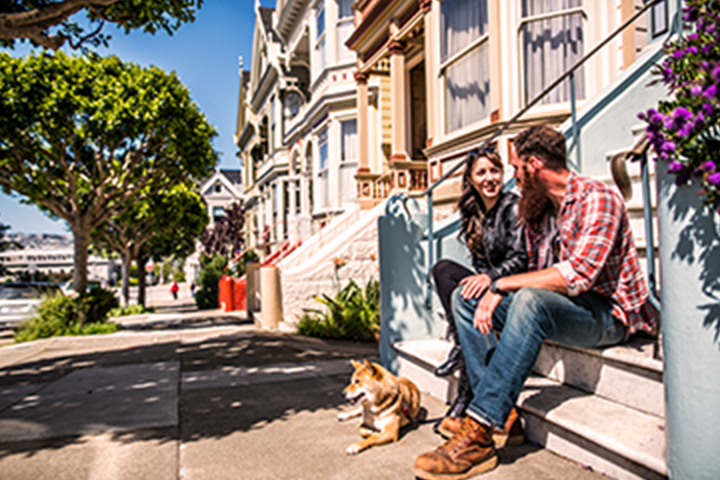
(685, 130)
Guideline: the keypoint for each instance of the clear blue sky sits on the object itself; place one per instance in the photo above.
(205, 56)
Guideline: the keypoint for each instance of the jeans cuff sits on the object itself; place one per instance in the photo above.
(478, 418)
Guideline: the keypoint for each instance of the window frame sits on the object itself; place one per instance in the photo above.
(521, 53)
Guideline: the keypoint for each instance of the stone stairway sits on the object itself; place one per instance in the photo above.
(603, 408)
(312, 269)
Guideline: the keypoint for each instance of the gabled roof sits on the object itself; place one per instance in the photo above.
(235, 176)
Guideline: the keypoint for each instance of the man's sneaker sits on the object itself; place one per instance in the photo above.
(468, 453)
(512, 434)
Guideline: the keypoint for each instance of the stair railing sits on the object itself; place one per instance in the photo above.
(575, 129)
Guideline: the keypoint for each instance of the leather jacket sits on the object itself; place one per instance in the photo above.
(504, 252)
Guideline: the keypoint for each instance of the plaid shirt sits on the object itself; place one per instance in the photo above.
(593, 249)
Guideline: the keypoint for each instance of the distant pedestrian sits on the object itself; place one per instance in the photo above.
(192, 288)
(174, 289)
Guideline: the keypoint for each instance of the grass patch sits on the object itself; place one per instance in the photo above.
(130, 310)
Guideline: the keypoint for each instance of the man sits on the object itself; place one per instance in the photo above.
(584, 288)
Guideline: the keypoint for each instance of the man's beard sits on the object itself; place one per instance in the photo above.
(534, 202)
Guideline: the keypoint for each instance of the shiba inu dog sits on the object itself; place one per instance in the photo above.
(387, 403)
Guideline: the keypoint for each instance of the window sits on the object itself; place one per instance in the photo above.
(218, 188)
(552, 41)
(323, 187)
(465, 58)
(348, 160)
(273, 137)
(345, 27)
(659, 20)
(218, 213)
(320, 36)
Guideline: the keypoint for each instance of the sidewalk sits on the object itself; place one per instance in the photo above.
(187, 396)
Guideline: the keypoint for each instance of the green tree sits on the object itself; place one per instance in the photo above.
(86, 138)
(167, 223)
(5, 244)
(52, 23)
(226, 235)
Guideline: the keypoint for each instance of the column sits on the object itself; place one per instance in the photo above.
(397, 106)
(292, 220)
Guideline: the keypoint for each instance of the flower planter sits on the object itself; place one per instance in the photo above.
(690, 296)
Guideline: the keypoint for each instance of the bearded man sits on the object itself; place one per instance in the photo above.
(584, 289)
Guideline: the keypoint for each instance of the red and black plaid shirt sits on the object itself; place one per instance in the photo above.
(594, 250)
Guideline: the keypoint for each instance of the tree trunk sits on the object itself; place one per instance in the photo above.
(81, 239)
(125, 283)
(141, 262)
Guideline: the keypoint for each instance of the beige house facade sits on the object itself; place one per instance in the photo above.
(454, 71)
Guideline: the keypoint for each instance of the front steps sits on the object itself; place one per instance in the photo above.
(603, 408)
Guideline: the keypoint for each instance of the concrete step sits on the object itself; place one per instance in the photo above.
(601, 407)
(617, 441)
(626, 374)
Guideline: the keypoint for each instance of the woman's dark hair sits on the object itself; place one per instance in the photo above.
(471, 206)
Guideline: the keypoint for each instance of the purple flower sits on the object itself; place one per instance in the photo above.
(675, 167)
(693, 36)
(696, 90)
(708, 108)
(668, 146)
(692, 50)
(708, 166)
(678, 54)
(716, 74)
(714, 179)
(710, 92)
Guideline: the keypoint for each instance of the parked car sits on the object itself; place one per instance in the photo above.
(19, 300)
(67, 287)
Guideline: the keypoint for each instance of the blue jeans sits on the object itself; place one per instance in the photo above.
(497, 369)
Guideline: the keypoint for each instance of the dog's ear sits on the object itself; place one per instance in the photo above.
(355, 364)
(370, 367)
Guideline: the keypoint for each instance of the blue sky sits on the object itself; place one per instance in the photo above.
(205, 56)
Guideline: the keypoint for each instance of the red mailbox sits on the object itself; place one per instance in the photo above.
(225, 293)
(240, 293)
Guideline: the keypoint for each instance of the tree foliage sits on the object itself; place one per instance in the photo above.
(165, 224)
(86, 138)
(226, 235)
(52, 23)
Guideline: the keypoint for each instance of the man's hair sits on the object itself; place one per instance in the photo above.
(544, 143)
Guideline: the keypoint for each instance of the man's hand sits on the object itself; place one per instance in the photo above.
(482, 320)
(474, 285)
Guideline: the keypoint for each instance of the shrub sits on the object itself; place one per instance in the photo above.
(94, 305)
(354, 314)
(211, 269)
(65, 315)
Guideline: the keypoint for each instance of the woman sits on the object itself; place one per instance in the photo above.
(496, 241)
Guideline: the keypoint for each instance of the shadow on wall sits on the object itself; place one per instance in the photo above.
(699, 242)
(403, 275)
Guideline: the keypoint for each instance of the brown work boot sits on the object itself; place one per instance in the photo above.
(512, 434)
(467, 453)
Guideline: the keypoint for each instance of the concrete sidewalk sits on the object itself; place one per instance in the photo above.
(203, 399)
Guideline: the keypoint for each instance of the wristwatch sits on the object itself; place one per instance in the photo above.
(495, 289)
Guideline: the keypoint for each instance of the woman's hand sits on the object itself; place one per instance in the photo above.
(474, 285)
(482, 320)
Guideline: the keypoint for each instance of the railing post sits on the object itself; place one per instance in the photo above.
(575, 128)
(649, 237)
(431, 252)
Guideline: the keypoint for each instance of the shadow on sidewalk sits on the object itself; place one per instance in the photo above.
(202, 414)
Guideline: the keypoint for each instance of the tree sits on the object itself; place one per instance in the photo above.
(226, 235)
(5, 244)
(85, 138)
(165, 224)
(48, 23)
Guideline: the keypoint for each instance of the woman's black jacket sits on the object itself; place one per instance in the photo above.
(503, 247)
